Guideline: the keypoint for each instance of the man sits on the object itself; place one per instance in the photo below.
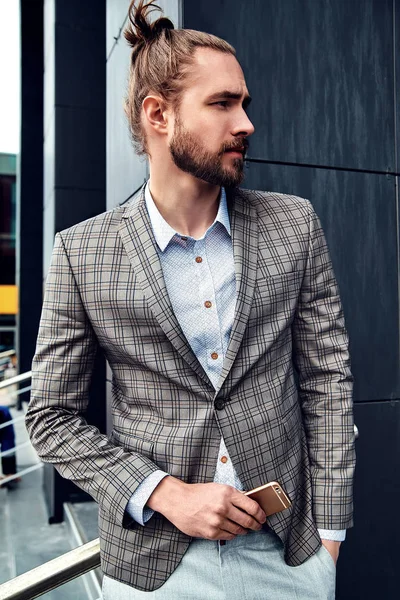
(205, 298)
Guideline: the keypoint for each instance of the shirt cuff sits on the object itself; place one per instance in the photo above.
(136, 506)
(335, 535)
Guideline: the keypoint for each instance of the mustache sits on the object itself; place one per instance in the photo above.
(239, 145)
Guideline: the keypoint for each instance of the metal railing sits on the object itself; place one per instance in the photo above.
(13, 381)
(15, 448)
(12, 421)
(19, 474)
(17, 393)
(53, 573)
(17, 379)
(3, 385)
(7, 354)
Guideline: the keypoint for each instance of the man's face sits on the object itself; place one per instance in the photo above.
(211, 125)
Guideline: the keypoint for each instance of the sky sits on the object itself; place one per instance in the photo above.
(9, 76)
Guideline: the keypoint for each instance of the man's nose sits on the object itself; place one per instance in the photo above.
(244, 126)
(250, 126)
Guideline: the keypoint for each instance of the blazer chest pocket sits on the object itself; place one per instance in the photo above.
(132, 443)
(276, 294)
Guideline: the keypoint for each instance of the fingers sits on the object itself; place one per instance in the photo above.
(244, 520)
(226, 535)
(220, 527)
(211, 510)
(238, 514)
(239, 523)
(250, 507)
(233, 528)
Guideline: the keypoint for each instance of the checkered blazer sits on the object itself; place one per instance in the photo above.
(105, 288)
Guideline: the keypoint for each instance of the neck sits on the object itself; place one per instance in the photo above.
(189, 205)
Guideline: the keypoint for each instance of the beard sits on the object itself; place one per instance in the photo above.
(190, 156)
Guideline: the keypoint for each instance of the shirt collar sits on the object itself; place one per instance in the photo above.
(164, 233)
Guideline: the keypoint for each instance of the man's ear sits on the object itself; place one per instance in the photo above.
(155, 113)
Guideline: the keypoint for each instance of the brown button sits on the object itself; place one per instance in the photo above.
(214, 356)
(207, 304)
(224, 459)
(198, 259)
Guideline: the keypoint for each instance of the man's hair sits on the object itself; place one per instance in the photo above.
(159, 62)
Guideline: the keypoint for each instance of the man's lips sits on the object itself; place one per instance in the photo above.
(240, 151)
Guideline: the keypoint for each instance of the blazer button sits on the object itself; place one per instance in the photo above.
(219, 404)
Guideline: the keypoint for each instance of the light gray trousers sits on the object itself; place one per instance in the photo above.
(250, 567)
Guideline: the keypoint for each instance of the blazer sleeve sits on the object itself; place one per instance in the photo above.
(322, 360)
(61, 375)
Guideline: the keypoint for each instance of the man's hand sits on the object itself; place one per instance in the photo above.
(211, 511)
(333, 548)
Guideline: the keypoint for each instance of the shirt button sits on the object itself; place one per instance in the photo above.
(224, 459)
(198, 259)
(207, 304)
(219, 404)
(214, 356)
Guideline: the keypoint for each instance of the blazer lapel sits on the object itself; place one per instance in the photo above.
(245, 249)
(138, 240)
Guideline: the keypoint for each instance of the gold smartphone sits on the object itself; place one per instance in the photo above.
(270, 497)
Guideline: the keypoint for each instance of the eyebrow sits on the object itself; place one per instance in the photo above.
(231, 96)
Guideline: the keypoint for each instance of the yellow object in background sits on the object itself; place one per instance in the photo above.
(8, 300)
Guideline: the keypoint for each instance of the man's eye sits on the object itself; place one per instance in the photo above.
(222, 103)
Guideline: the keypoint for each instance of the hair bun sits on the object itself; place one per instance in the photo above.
(141, 30)
(160, 25)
